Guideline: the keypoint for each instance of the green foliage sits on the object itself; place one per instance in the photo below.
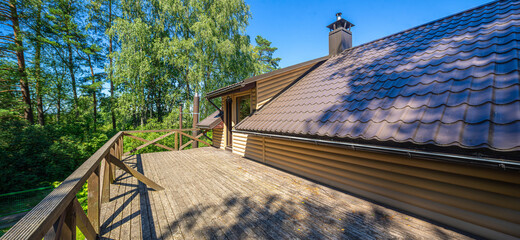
(82, 196)
(163, 53)
(34, 155)
(264, 55)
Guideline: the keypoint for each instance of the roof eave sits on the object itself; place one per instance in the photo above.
(430, 155)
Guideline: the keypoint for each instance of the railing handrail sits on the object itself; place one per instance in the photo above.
(40, 219)
(161, 130)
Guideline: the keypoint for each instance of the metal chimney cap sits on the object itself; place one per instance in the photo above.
(341, 23)
(338, 16)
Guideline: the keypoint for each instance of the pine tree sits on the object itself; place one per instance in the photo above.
(264, 55)
(13, 44)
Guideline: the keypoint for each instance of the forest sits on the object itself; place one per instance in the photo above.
(73, 73)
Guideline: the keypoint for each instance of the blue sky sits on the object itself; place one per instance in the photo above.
(297, 27)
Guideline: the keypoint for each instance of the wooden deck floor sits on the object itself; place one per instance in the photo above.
(213, 194)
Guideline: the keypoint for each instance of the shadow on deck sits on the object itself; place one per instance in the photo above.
(213, 194)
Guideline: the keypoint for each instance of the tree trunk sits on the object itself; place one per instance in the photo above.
(37, 70)
(58, 94)
(73, 79)
(24, 85)
(110, 72)
(58, 105)
(94, 101)
(158, 105)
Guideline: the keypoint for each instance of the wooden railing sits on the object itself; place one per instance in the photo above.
(178, 144)
(58, 214)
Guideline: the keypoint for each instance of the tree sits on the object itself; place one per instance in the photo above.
(14, 45)
(62, 15)
(92, 52)
(101, 16)
(35, 31)
(264, 55)
(173, 49)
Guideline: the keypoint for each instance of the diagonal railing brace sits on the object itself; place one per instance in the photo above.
(134, 173)
(150, 142)
(146, 141)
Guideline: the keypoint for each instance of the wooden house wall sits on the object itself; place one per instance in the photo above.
(478, 200)
(218, 138)
(269, 87)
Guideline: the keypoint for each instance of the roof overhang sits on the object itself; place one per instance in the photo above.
(214, 120)
(249, 83)
(233, 88)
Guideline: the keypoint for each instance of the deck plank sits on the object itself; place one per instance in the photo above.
(205, 197)
(213, 194)
(126, 213)
(135, 221)
(163, 208)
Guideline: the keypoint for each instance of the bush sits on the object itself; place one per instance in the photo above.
(33, 156)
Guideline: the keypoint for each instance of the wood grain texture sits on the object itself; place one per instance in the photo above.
(214, 194)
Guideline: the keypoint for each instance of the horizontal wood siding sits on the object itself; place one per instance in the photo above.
(479, 200)
(218, 138)
(269, 87)
(239, 143)
(248, 146)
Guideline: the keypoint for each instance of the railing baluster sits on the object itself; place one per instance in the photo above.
(93, 199)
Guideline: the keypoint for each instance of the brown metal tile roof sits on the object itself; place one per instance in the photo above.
(451, 82)
(211, 121)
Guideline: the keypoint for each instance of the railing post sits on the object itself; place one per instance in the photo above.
(180, 141)
(105, 193)
(116, 149)
(121, 146)
(94, 199)
(176, 147)
(68, 230)
(112, 172)
(195, 117)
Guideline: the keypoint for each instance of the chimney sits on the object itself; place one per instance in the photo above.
(340, 37)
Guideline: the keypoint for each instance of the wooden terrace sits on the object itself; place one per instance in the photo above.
(214, 194)
(206, 193)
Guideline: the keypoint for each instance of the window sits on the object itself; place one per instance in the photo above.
(243, 107)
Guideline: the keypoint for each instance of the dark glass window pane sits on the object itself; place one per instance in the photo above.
(243, 107)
